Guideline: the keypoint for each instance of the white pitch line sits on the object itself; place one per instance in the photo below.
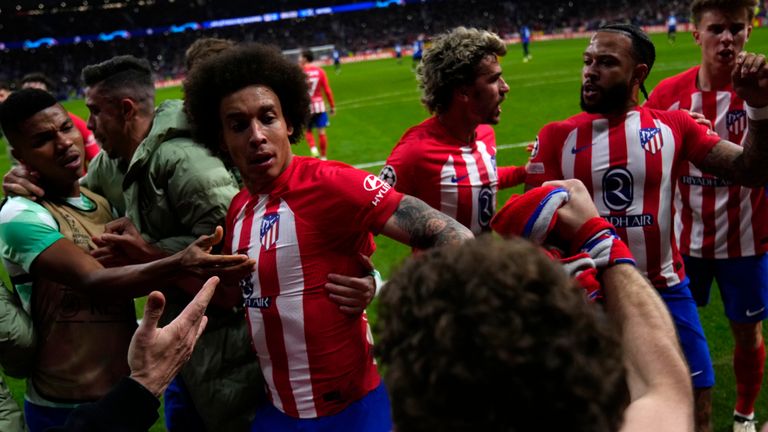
(499, 147)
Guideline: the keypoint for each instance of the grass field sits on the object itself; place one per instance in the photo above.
(377, 101)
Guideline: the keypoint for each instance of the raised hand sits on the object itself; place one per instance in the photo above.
(750, 79)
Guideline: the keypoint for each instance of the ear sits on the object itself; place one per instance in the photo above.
(289, 127)
(749, 33)
(640, 73)
(697, 36)
(461, 93)
(128, 108)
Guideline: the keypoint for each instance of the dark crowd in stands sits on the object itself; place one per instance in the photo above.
(352, 32)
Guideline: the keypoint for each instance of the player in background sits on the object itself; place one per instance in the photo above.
(630, 157)
(721, 228)
(317, 81)
(418, 51)
(525, 41)
(671, 27)
(42, 82)
(449, 159)
(301, 218)
(399, 53)
(336, 60)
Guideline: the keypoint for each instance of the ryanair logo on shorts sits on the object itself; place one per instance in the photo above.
(736, 121)
(270, 226)
(650, 139)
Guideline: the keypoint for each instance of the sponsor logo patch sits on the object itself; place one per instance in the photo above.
(388, 175)
(618, 189)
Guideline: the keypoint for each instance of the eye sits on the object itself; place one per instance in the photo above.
(238, 125)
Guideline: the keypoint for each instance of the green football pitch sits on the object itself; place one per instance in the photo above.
(378, 100)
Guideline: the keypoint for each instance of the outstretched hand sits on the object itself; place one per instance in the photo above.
(750, 79)
(155, 354)
(198, 260)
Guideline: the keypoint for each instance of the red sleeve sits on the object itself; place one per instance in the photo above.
(398, 170)
(361, 200)
(327, 88)
(511, 176)
(545, 157)
(698, 140)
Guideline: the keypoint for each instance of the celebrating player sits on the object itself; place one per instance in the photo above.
(449, 160)
(720, 227)
(629, 157)
(317, 81)
(301, 218)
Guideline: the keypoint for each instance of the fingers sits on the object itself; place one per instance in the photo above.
(120, 225)
(218, 234)
(20, 186)
(153, 310)
(365, 260)
(749, 63)
(190, 317)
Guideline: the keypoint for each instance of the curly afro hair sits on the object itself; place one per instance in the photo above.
(214, 78)
(458, 322)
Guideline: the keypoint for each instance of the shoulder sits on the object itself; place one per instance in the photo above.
(671, 89)
(22, 210)
(485, 133)
(560, 129)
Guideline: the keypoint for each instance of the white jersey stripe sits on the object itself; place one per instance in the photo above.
(449, 193)
(291, 306)
(665, 210)
(696, 193)
(568, 163)
(636, 158)
(474, 178)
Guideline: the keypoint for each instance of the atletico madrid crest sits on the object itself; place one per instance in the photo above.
(736, 121)
(270, 227)
(650, 139)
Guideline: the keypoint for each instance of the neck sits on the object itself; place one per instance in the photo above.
(458, 126)
(136, 134)
(712, 77)
(55, 189)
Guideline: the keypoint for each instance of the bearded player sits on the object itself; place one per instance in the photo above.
(629, 157)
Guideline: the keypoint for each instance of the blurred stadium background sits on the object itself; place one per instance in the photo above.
(377, 97)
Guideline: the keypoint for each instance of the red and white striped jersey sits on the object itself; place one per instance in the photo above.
(629, 165)
(316, 220)
(713, 218)
(457, 178)
(317, 81)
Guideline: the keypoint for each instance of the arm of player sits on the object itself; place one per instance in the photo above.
(66, 263)
(419, 225)
(511, 176)
(746, 166)
(657, 375)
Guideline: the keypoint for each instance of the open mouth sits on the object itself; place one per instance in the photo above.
(589, 90)
(71, 161)
(726, 55)
(261, 159)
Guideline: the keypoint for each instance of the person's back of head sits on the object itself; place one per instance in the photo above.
(123, 77)
(307, 55)
(492, 335)
(204, 48)
(37, 80)
(452, 61)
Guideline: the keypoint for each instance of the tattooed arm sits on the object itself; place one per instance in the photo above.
(419, 225)
(744, 166)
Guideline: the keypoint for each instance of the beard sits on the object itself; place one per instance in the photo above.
(612, 99)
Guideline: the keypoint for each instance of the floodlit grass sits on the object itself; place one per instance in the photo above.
(377, 101)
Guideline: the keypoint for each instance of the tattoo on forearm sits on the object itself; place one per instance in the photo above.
(747, 167)
(426, 226)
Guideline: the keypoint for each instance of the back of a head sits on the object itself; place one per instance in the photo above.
(493, 335)
(122, 76)
(643, 49)
(20, 106)
(235, 69)
(37, 80)
(728, 7)
(308, 55)
(452, 61)
(203, 48)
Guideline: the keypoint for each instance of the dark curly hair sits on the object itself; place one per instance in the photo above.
(215, 78)
(493, 336)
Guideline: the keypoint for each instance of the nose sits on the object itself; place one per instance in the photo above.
(257, 133)
(589, 72)
(726, 37)
(64, 141)
(504, 88)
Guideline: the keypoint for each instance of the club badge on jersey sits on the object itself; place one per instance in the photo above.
(650, 139)
(270, 226)
(736, 121)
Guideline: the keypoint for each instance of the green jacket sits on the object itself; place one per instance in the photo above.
(173, 190)
(17, 353)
